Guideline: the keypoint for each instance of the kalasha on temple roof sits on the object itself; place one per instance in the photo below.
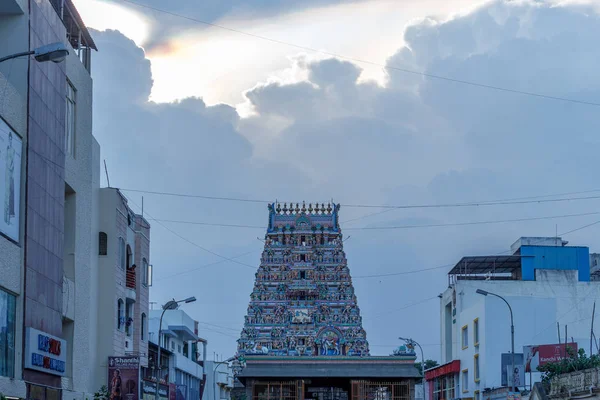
(303, 302)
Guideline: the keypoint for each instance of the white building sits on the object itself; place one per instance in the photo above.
(219, 381)
(180, 338)
(544, 281)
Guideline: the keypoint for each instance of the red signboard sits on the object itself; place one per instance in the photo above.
(536, 356)
(446, 369)
(172, 391)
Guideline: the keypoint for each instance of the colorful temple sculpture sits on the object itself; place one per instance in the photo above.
(303, 302)
(303, 335)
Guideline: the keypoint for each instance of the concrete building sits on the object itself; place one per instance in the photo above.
(47, 159)
(186, 373)
(123, 257)
(545, 282)
(219, 381)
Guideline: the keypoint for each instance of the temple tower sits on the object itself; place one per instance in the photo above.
(303, 301)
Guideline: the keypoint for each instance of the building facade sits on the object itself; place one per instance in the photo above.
(303, 334)
(123, 257)
(47, 157)
(219, 381)
(544, 281)
(186, 364)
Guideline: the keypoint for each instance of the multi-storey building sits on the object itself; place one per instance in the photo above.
(303, 334)
(123, 257)
(544, 281)
(219, 381)
(48, 175)
(186, 365)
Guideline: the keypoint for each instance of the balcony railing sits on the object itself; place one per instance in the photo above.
(130, 277)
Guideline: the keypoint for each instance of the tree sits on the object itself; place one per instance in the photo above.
(428, 364)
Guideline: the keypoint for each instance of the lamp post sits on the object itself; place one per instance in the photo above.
(237, 364)
(55, 52)
(411, 343)
(170, 305)
(512, 331)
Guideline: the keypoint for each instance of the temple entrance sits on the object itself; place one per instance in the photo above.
(278, 390)
(332, 389)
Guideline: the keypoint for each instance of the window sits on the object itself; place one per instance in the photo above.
(129, 257)
(185, 349)
(477, 395)
(465, 336)
(7, 336)
(476, 367)
(302, 274)
(70, 120)
(465, 380)
(172, 345)
(145, 272)
(121, 253)
(302, 257)
(476, 332)
(143, 327)
(129, 319)
(179, 348)
(102, 243)
(120, 316)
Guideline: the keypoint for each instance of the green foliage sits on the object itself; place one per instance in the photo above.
(2, 396)
(574, 362)
(102, 394)
(428, 364)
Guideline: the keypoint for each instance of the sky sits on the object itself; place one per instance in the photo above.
(188, 108)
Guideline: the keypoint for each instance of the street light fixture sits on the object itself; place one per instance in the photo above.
(412, 343)
(55, 52)
(512, 332)
(169, 305)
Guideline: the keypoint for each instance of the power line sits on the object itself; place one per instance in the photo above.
(401, 226)
(475, 222)
(358, 60)
(535, 199)
(193, 243)
(451, 265)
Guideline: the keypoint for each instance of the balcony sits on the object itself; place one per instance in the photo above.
(130, 283)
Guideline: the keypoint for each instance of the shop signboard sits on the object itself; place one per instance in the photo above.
(124, 377)
(45, 353)
(536, 356)
(149, 391)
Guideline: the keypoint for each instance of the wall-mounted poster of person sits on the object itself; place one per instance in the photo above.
(10, 181)
(123, 378)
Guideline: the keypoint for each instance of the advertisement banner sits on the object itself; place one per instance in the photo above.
(124, 378)
(181, 392)
(45, 353)
(10, 181)
(172, 391)
(536, 356)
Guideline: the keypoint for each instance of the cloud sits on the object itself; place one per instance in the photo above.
(418, 140)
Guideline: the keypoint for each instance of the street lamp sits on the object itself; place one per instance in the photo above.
(512, 331)
(411, 343)
(237, 364)
(170, 305)
(55, 52)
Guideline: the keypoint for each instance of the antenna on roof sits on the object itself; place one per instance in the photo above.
(106, 171)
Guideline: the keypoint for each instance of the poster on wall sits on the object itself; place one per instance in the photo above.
(506, 363)
(536, 356)
(10, 181)
(123, 378)
(517, 375)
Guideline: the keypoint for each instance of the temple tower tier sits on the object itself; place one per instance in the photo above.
(303, 301)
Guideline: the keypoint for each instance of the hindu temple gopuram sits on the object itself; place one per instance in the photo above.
(303, 335)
